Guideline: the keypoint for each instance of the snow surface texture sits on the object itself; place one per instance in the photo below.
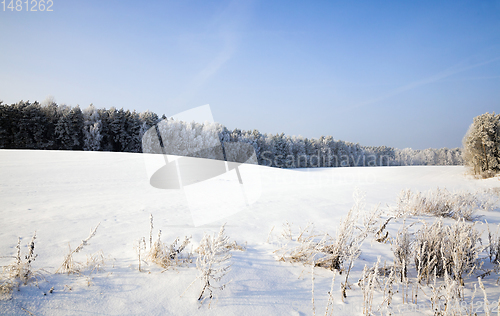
(63, 195)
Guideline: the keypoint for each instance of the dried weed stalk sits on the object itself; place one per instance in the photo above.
(69, 265)
(20, 271)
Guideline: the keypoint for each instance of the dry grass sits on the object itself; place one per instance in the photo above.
(442, 203)
(234, 246)
(164, 254)
(432, 262)
(70, 266)
(170, 255)
(452, 250)
(329, 304)
(402, 250)
(333, 253)
(443, 257)
(368, 283)
(20, 271)
(141, 248)
(95, 262)
(494, 245)
(212, 257)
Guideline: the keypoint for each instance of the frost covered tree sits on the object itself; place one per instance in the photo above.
(482, 144)
(91, 129)
(256, 140)
(107, 139)
(299, 152)
(117, 129)
(50, 111)
(5, 126)
(24, 125)
(147, 119)
(69, 128)
(133, 132)
(281, 151)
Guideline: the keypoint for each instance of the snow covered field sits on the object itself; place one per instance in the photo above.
(62, 195)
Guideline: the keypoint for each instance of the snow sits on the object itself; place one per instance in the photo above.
(63, 194)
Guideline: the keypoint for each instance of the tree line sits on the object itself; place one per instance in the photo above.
(26, 125)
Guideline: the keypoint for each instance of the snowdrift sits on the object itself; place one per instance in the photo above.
(63, 194)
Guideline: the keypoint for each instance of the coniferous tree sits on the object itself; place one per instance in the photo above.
(133, 132)
(69, 128)
(267, 151)
(282, 150)
(147, 119)
(116, 129)
(107, 139)
(7, 115)
(256, 137)
(91, 129)
(4, 126)
(18, 128)
(298, 152)
(50, 110)
(25, 126)
(37, 127)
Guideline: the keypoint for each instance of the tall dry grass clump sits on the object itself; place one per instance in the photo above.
(345, 247)
(422, 254)
(333, 253)
(494, 245)
(443, 203)
(166, 255)
(336, 253)
(402, 250)
(452, 250)
(212, 258)
(170, 255)
(368, 283)
(70, 266)
(20, 271)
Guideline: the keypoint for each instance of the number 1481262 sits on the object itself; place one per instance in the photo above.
(27, 5)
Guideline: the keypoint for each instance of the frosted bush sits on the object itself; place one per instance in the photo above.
(19, 271)
(170, 255)
(212, 262)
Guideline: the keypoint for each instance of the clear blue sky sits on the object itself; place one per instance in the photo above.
(396, 73)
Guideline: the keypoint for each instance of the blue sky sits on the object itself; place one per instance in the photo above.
(396, 73)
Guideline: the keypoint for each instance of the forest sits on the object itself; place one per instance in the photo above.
(50, 126)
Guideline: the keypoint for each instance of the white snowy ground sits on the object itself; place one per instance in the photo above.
(62, 195)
